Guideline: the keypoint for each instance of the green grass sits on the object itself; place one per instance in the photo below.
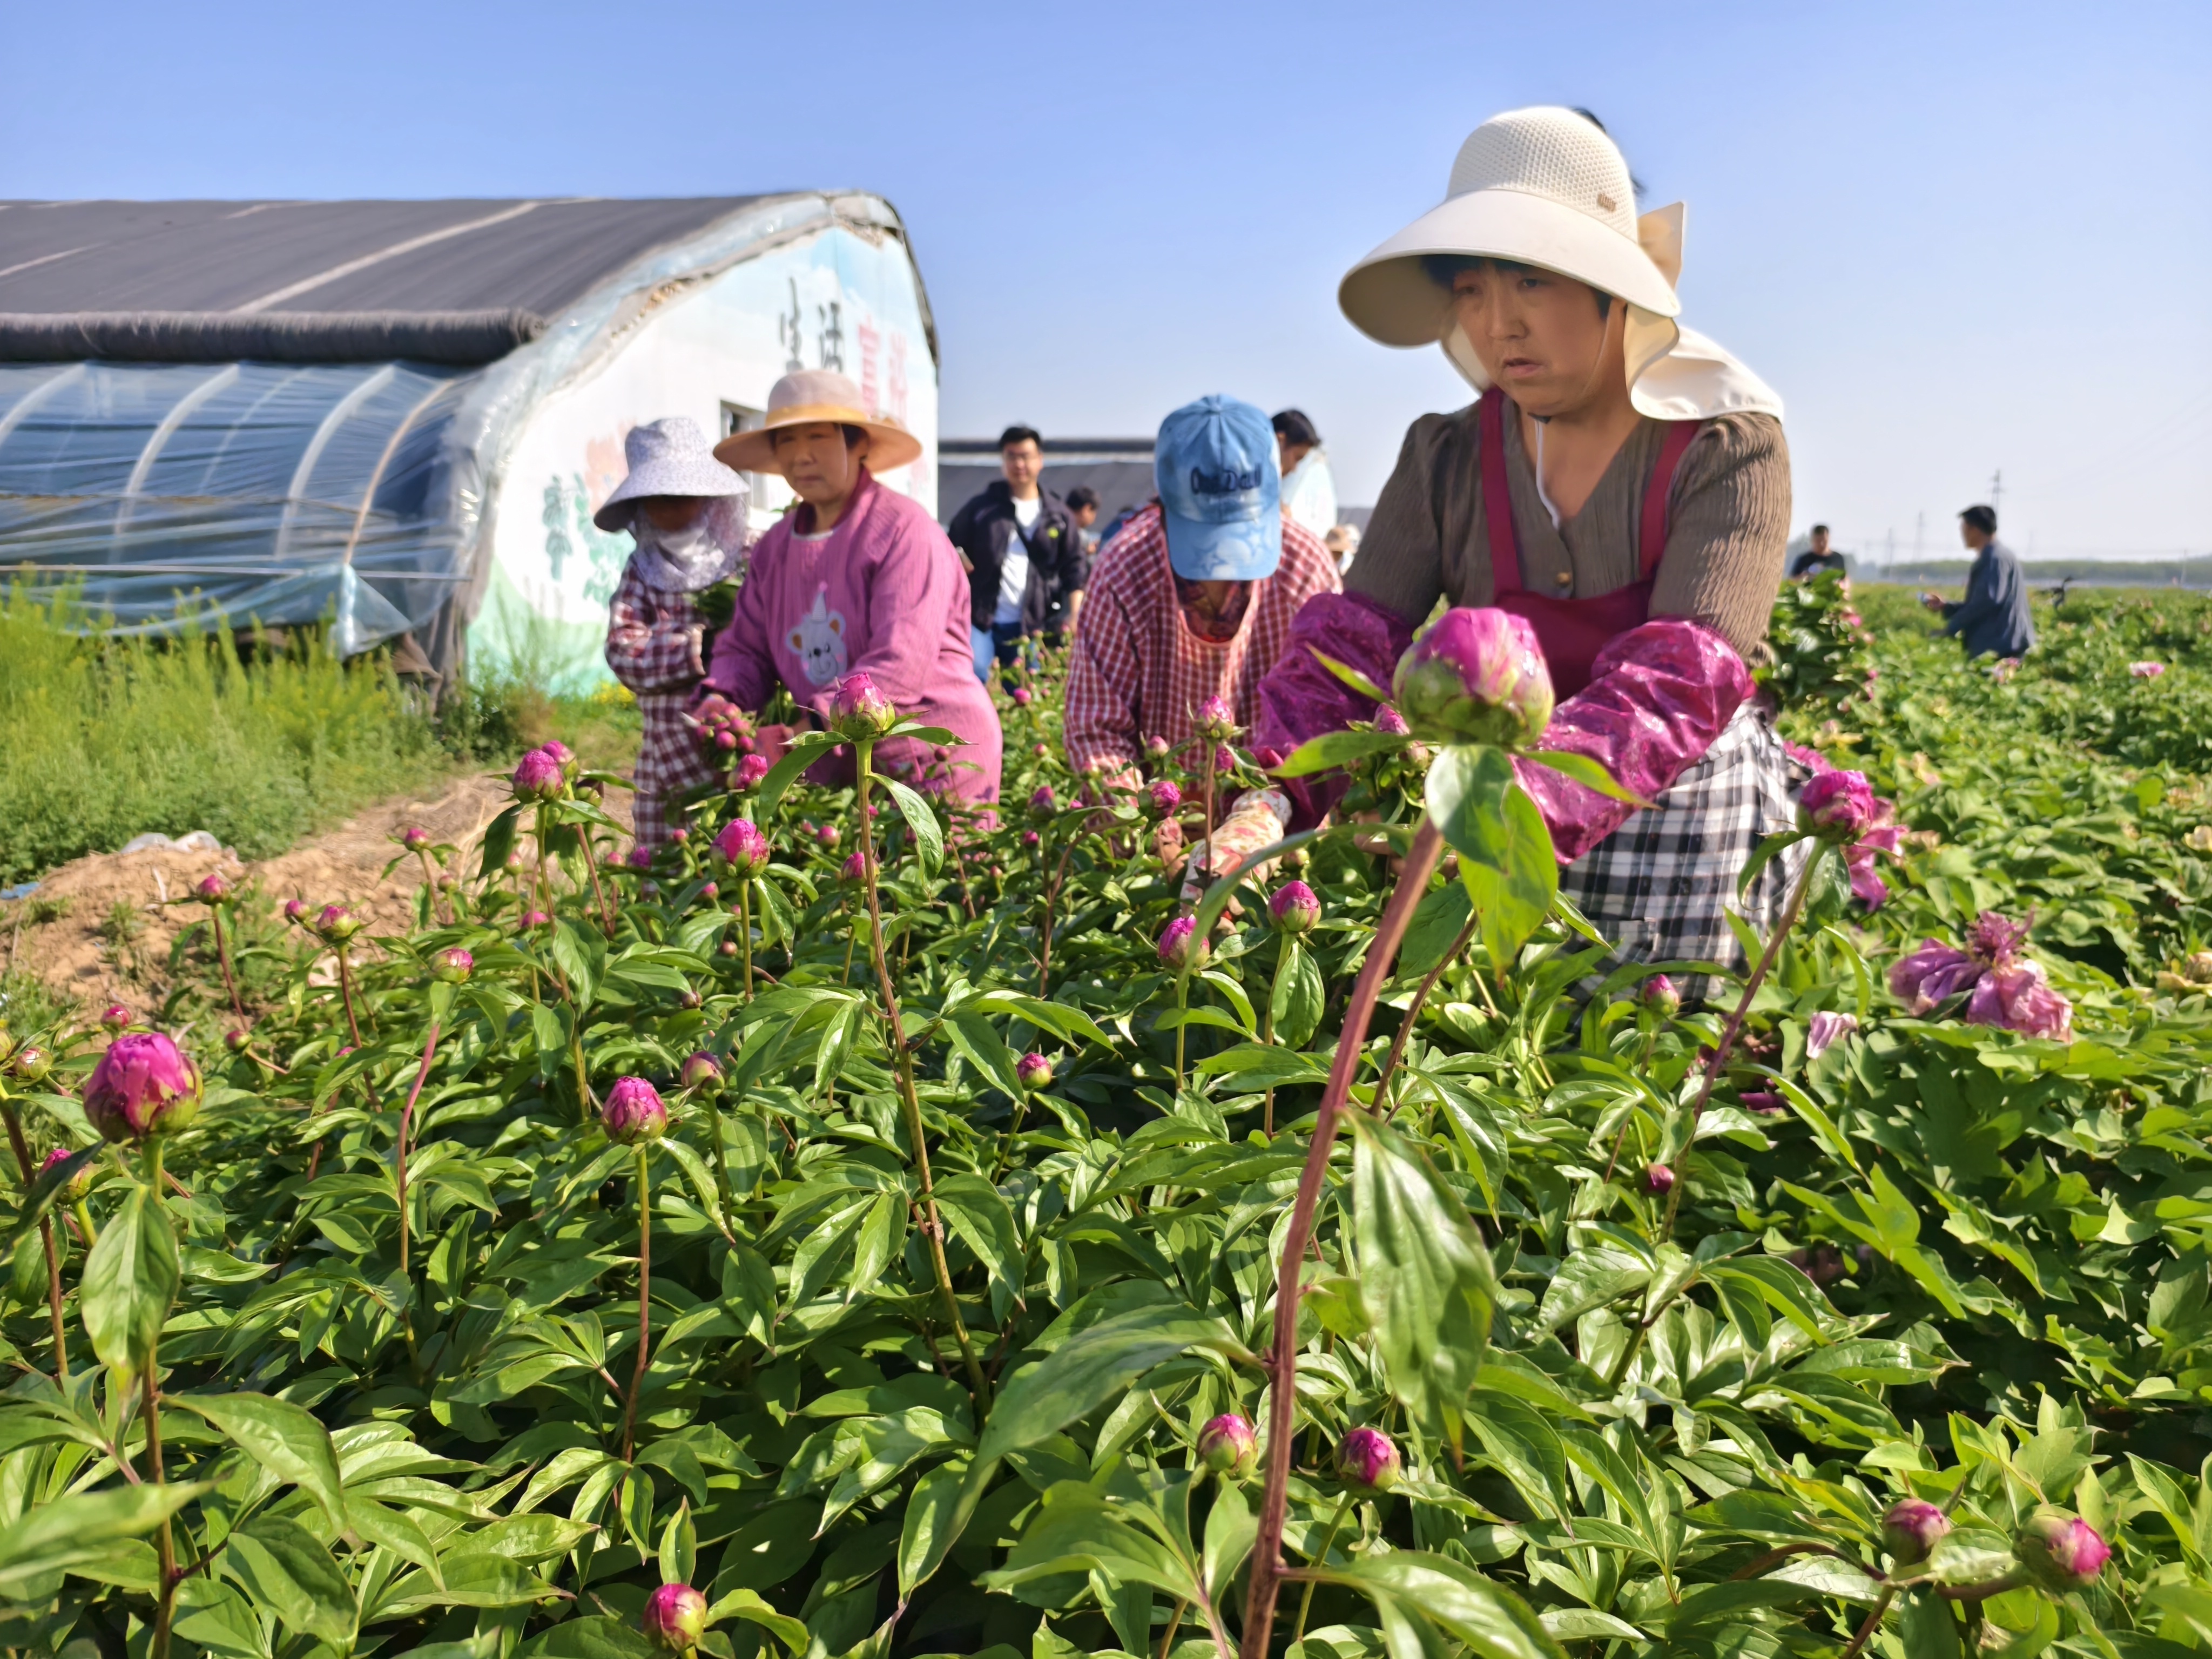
(102, 739)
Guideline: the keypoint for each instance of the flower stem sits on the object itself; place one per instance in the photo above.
(1735, 1026)
(22, 1149)
(745, 930)
(1265, 1584)
(1267, 1030)
(1413, 1012)
(1321, 1560)
(164, 1543)
(644, 1298)
(934, 1225)
(406, 1117)
(223, 955)
(437, 901)
(345, 990)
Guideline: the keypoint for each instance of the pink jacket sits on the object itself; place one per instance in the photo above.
(884, 592)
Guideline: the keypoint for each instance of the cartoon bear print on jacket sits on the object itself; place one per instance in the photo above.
(819, 640)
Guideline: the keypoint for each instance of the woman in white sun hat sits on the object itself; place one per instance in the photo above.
(1621, 481)
(687, 512)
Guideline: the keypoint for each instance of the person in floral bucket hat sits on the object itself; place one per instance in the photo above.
(687, 513)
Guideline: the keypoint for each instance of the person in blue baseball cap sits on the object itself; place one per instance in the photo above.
(1192, 600)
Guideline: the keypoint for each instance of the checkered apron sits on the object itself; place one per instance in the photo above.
(1657, 886)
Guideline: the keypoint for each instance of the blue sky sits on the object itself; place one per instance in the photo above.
(1956, 238)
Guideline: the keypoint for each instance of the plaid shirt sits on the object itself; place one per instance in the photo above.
(653, 647)
(1139, 670)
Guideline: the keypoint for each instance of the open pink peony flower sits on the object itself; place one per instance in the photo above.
(675, 1618)
(633, 1112)
(1367, 1458)
(1826, 1030)
(742, 847)
(144, 1086)
(1295, 907)
(2019, 999)
(1476, 676)
(2006, 991)
(1837, 805)
(1227, 1444)
(857, 710)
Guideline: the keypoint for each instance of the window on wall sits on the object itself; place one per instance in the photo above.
(771, 496)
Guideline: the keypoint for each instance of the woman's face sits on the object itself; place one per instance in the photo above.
(818, 463)
(1541, 337)
(672, 514)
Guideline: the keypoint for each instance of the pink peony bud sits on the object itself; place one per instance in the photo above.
(214, 888)
(31, 1062)
(2060, 1553)
(1215, 721)
(1838, 807)
(1910, 1529)
(115, 1017)
(1660, 997)
(641, 858)
(726, 741)
(1035, 1071)
(633, 1112)
(1031, 838)
(1367, 1461)
(144, 1086)
(742, 847)
(2146, 671)
(675, 1618)
(1658, 1180)
(701, 1070)
(1181, 946)
(238, 1040)
(710, 889)
(1477, 676)
(857, 710)
(561, 755)
(452, 965)
(414, 839)
(748, 773)
(337, 924)
(81, 1183)
(1042, 805)
(680, 836)
(1228, 1446)
(1295, 907)
(1389, 720)
(1826, 1030)
(295, 911)
(1163, 798)
(1020, 694)
(829, 835)
(533, 920)
(855, 869)
(538, 776)
(1156, 747)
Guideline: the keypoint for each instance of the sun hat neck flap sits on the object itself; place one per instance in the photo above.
(810, 397)
(666, 458)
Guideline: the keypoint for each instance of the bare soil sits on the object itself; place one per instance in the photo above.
(99, 929)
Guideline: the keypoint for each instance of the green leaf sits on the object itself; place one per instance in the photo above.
(1351, 676)
(977, 1212)
(920, 819)
(1488, 1618)
(927, 1535)
(1335, 749)
(679, 1546)
(1298, 996)
(285, 1439)
(291, 1577)
(1506, 856)
(44, 1191)
(1584, 770)
(1428, 1283)
(597, 1637)
(981, 1045)
(804, 750)
(130, 1279)
(1770, 849)
(499, 843)
(1438, 919)
(61, 1532)
(1092, 1367)
(744, 1604)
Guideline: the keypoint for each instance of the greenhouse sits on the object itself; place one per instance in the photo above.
(416, 458)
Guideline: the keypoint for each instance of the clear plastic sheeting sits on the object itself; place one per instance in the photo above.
(245, 492)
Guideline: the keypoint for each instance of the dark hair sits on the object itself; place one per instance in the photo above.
(1081, 497)
(853, 434)
(1292, 427)
(1443, 269)
(1018, 435)
(1983, 519)
(1819, 529)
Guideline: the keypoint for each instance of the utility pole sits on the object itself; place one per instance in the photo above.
(1997, 489)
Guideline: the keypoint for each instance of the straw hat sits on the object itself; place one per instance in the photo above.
(666, 458)
(808, 397)
(1547, 187)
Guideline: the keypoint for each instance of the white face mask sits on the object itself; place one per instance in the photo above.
(682, 560)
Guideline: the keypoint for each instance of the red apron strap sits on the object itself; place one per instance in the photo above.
(1651, 538)
(1497, 499)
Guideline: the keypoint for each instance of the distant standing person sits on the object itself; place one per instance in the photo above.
(1816, 559)
(1993, 618)
(1343, 544)
(687, 513)
(1023, 557)
(1309, 487)
(1083, 512)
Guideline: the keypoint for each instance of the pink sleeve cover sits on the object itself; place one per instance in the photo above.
(1300, 700)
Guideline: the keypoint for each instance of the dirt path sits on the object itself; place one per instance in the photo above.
(98, 930)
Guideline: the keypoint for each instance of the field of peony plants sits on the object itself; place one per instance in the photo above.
(870, 1231)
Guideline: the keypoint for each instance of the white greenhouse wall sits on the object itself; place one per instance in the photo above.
(837, 300)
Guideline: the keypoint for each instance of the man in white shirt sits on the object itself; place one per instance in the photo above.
(1025, 555)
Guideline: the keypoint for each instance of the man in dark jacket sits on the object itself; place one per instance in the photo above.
(1993, 618)
(1025, 557)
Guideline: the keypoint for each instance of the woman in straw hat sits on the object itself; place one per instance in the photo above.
(687, 512)
(1622, 482)
(857, 578)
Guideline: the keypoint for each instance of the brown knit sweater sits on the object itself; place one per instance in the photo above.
(1728, 525)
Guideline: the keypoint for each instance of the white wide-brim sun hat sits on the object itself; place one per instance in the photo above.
(1547, 186)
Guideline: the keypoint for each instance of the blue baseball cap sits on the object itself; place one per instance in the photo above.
(1221, 488)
